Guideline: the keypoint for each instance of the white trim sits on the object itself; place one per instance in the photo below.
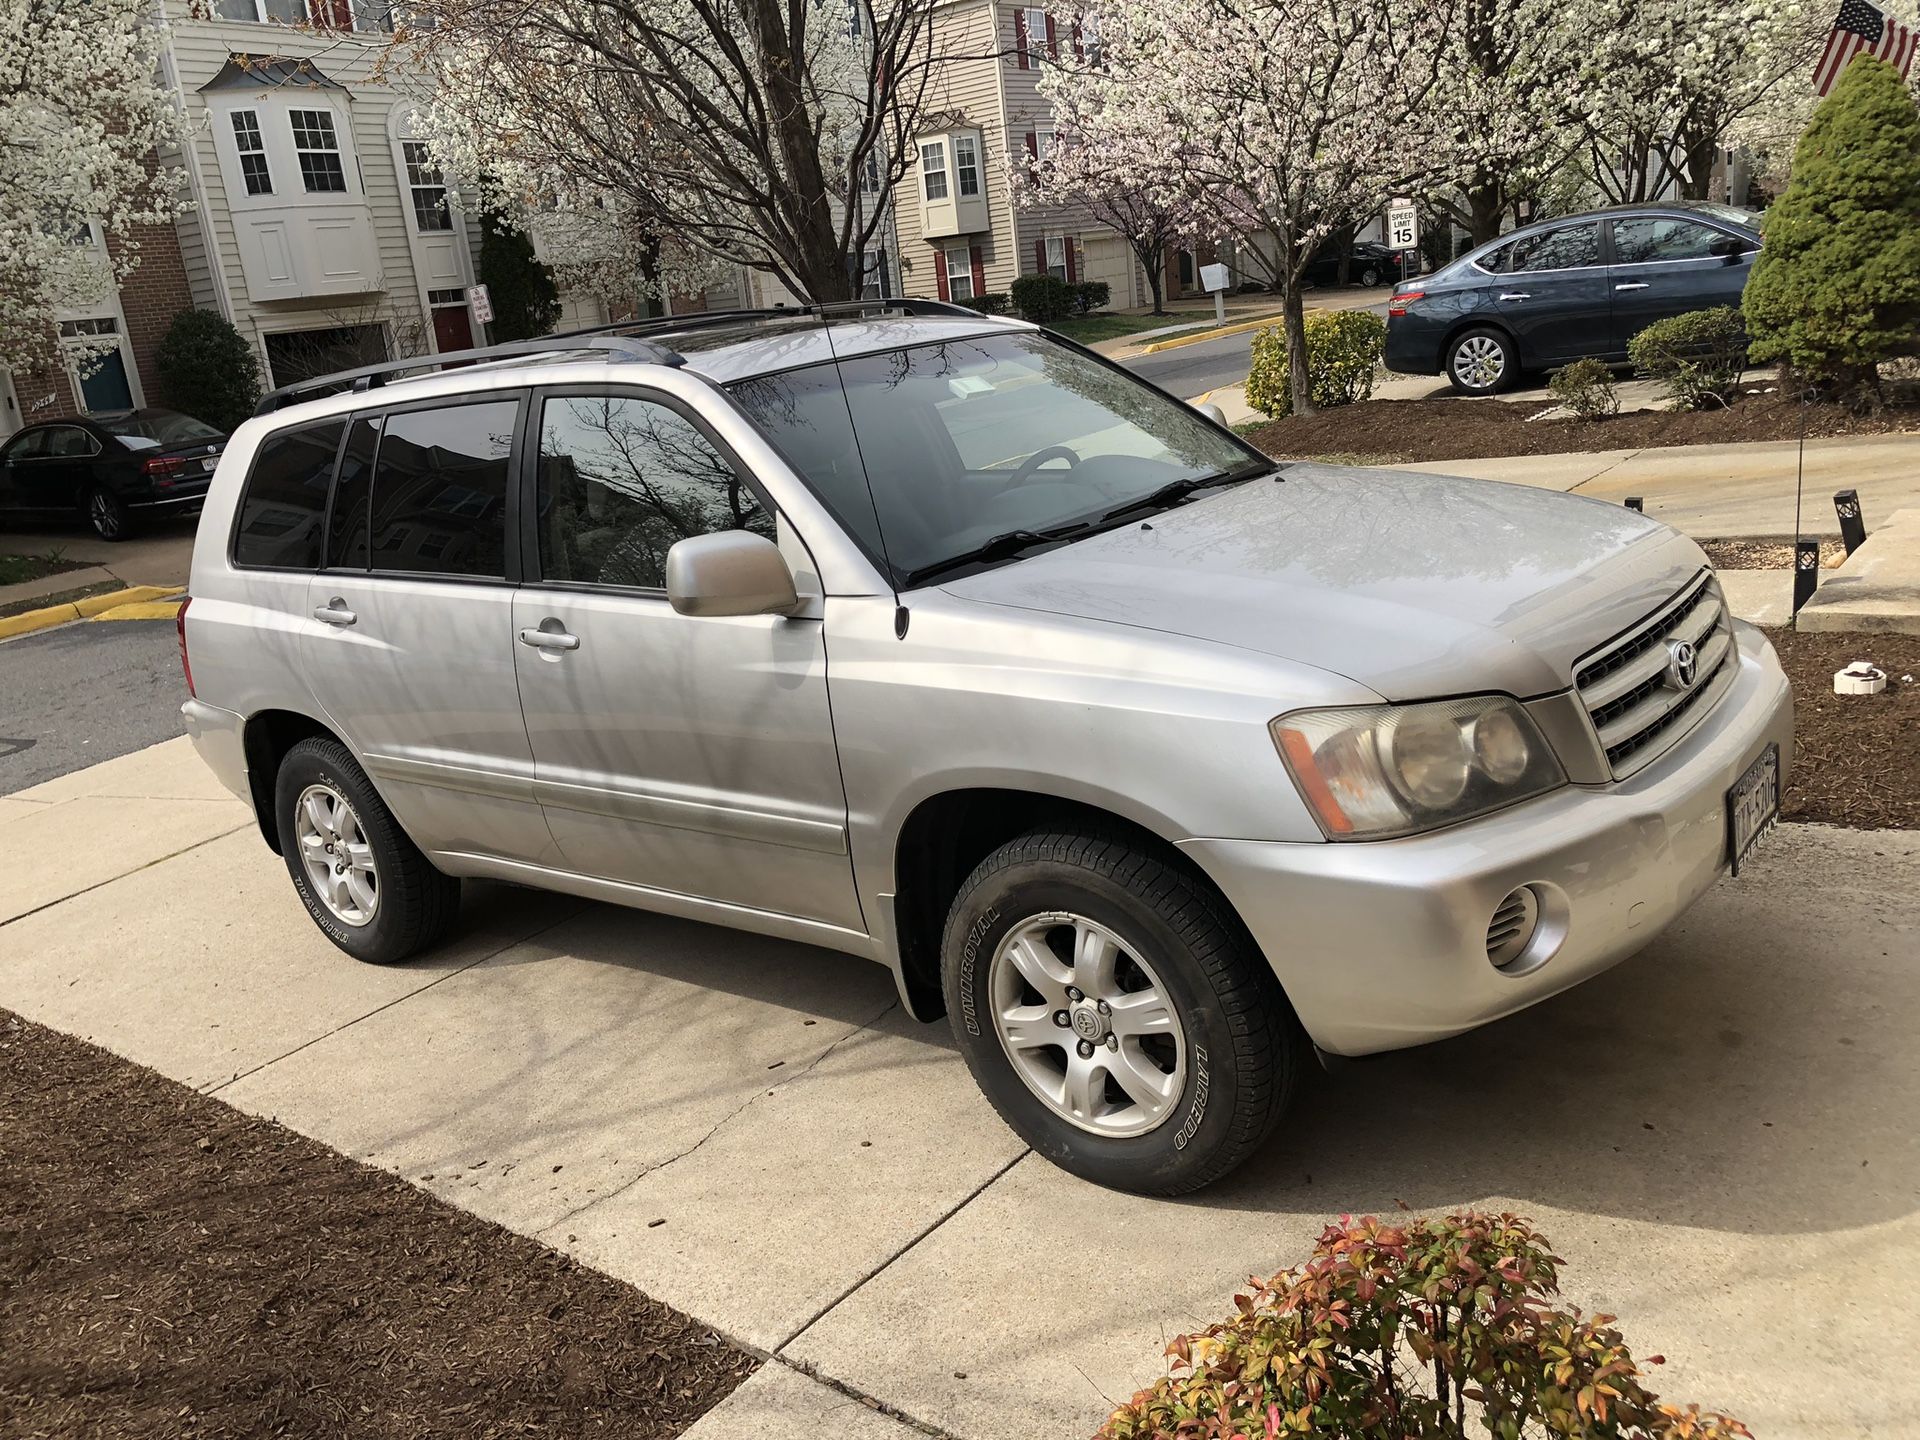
(420, 244)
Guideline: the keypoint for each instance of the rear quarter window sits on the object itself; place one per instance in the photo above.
(284, 500)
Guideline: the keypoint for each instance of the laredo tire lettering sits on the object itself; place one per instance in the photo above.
(1199, 1108)
(969, 959)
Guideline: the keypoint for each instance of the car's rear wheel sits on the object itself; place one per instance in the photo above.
(1116, 1014)
(108, 514)
(366, 885)
(1482, 362)
(1370, 276)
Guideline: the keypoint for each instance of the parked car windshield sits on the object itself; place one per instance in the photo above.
(156, 429)
(929, 453)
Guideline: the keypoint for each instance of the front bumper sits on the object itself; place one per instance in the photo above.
(1383, 945)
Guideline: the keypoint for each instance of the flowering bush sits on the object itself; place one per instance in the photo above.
(1343, 351)
(1420, 1331)
(1698, 356)
(1586, 388)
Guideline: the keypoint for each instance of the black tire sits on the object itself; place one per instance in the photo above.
(1244, 1047)
(1369, 277)
(1474, 367)
(107, 514)
(416, 904)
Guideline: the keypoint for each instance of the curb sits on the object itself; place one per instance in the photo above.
(1240, 329)
(94, 606)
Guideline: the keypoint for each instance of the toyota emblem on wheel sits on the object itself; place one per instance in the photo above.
(1682, 664)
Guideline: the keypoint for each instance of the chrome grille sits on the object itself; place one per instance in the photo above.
(1637, 712)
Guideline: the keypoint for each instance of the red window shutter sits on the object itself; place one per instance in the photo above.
(332, 14)
(1033, 149)
(1020, 37)
(979, 271)
(1053, 40)
(1073, 270)
(940, 273)
(1040, 256)
(1079, 50)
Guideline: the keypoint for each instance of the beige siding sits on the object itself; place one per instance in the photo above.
(200, 48)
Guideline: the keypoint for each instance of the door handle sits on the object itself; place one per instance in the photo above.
(1516, 295)
(1634, 285)
(549, 639)
(335, 612)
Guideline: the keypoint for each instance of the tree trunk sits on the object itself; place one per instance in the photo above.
(1295, 313)
(1696, 177)
(1153, 260)
(1486, 206)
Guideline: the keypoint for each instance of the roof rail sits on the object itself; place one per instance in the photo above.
(622, 340)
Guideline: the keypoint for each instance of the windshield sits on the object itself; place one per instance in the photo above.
(156, 429)
(969, 440)
(1731, 214)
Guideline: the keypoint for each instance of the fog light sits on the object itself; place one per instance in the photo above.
(1512, 928)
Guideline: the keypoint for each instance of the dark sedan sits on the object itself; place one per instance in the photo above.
(1368, 263)
(113, 471)
(1568, 289)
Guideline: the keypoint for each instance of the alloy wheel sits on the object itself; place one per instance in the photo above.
(1087, 1025)
(104, 515)
(338, 859)
(1479, 362)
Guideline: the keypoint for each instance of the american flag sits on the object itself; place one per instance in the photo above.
(1861, 29)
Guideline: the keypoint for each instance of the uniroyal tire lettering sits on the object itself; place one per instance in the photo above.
(1199, 1107)
(969, 955)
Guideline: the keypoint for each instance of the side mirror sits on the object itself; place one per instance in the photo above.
(732, 572)
(1214, 413)
(1727, 247)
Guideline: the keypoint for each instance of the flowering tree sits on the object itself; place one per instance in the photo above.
(1291, 119)
(81, 114)
(1151, 206)
(749, 132)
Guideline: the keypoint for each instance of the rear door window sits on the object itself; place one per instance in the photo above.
(284, 502)
(1571, 247)
(439, 494)
(1654, 238)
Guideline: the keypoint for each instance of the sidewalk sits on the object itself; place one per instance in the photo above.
(1717, 1134)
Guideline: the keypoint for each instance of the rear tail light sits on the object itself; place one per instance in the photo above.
(163, 470)
(180, 624)
(1399, 303)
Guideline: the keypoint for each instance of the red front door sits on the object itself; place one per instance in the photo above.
(451, 328)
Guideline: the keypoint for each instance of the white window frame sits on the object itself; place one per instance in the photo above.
(1057, 245)
(331, 128)
(1037, 33)
(961, 277)
(873, 270)
(933, 164)
(261, 14)
(414, 179)
(870, 175)
(257, 149)
(966, 166)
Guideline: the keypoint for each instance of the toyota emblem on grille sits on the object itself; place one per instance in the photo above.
(1682, 664)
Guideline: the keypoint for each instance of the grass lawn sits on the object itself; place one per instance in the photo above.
(1108, 325)
(15, 568)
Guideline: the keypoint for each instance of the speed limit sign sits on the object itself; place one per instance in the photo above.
(1403, 225)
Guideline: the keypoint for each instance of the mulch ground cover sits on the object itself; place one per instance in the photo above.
(1857, 757)
(1395, 431)
(1772, 553)
(172, 1268)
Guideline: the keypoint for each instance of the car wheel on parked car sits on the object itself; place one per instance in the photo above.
(107, 513)
(366, 885)
(1116, 1014)
(1482, 362)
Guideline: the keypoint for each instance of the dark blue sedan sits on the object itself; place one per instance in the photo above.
(1568, 289)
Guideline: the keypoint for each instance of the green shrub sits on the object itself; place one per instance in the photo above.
(207, 370)
(1586, 388)
(1343, 352)
(1698, 356)
(526, 302)
(1091, 295)
(1044, 299)
(1415, 1331)
(987, 304)
(1836, 289)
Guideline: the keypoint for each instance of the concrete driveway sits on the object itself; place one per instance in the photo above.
(1718, 1136)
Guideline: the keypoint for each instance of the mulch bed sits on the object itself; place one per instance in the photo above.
(1391, 431)
(16, 568)
(171, 1268)
(1772, 553)
(1857, 759)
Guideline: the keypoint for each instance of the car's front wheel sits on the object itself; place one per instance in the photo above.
(1115, 1014)
(1482, 362)
(108, 514)
(365, 883)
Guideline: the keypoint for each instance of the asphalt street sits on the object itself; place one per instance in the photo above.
(84, 693)
(1192, 370)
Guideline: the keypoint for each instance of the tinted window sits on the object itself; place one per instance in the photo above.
(30, 446)
(64, 442)
(144, 429)
(347, 525)
(1568, 248)
(285, 498)
(621, 480)
(440, 490)
(1495, 260)
(1636, 242)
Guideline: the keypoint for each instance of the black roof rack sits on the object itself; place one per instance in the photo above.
(622, 340)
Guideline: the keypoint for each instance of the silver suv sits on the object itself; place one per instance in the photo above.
(1153, 764)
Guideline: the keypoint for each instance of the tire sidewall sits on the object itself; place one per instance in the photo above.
(1202, 1120)
(313, 765)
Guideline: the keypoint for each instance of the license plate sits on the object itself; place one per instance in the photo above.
(1753, 804)
(210, 464)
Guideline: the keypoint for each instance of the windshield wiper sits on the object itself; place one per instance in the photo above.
(1180, 489)
(1003, 546)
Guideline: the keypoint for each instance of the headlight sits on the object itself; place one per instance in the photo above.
(1373, 771)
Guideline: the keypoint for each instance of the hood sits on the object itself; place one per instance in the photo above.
(1414, 585)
